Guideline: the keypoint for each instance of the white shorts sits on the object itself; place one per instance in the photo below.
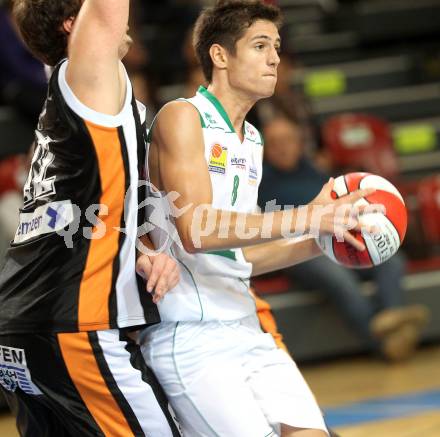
(229, 379)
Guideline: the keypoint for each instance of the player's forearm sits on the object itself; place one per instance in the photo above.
(280, 254)
(205, 228)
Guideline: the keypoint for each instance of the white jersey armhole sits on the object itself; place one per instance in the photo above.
(89, 114)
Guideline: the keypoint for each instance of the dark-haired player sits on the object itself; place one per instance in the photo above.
(69, 293)
(222, 374)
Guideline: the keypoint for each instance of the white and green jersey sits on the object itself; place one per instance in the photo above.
(214, 285)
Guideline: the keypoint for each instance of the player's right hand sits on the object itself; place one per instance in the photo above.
(341, 216)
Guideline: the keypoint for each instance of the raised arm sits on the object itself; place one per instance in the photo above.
(97, 42)
(178, 140)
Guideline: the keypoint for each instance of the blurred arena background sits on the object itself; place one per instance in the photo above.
(360, 81)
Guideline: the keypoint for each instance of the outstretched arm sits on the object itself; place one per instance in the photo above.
(183, 169)
(94, 73)
(280, 254)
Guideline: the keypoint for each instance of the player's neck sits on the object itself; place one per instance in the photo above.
(235, 103)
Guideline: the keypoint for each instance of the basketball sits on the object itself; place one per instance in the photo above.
(391, 225)
(216, 150)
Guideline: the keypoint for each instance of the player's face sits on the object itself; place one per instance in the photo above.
(253, 68)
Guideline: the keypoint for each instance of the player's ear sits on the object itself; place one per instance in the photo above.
(68, 25)
(219, 56)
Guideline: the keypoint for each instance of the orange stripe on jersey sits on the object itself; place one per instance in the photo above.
(267, 322)
(96, 283)
(84, 371)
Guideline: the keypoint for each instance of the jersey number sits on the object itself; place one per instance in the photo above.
(37, 184)
(235, 190)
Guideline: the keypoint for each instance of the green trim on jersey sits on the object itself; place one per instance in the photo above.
(205, 93)
(193, 280)
(246, 127)
(225, 253)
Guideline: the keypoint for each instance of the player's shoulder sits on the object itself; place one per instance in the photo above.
(178, 112)
(177, 121)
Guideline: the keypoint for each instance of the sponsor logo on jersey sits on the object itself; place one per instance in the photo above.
(14, 372)
(38, 184)
(252, 132)
(238, 163)
(209, 118)
(253, 175)
(218, 159)
(46, 219)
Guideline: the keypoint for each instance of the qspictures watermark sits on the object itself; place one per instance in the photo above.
(161, 211)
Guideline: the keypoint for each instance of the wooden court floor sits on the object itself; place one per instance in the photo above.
(382, 400)
(355, 392)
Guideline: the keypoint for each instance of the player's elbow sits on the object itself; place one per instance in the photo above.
(194, 236)
(191, 242)
(189, 246)
(186, 239)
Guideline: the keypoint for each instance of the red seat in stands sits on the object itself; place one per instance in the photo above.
(428, 196)
(360, 142)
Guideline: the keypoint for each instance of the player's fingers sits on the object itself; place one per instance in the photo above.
(324, 195)
(369, 228)
(351, 239)
(327, 189)
(356, 195)
(176, 267)
(158, 266)
(173, 280)
(161, 288)
(156, 298)
(169, 268)
(371, 208)
(171, 274)
(143, 266)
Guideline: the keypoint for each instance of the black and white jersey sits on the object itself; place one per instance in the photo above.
(71, 265)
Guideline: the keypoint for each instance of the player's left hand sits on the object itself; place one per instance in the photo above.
(161, 272)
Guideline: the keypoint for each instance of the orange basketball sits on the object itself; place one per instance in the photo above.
(392, 224)
(216, 150)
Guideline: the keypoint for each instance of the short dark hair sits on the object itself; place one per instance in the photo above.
(41, 25)
(225, 23)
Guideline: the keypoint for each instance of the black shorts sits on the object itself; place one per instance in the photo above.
(82, 384)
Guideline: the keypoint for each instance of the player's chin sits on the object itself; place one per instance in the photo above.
(267, 87)
(265, 92)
